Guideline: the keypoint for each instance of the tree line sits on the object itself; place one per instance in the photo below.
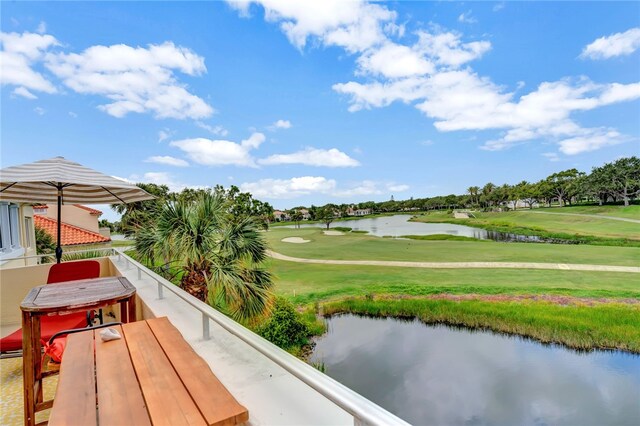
(616, 182)
(237, 205)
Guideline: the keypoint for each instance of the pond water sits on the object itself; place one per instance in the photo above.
(439, 375)
(398, 225)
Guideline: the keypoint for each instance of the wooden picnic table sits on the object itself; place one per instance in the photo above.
(150, 376)
(60, 299)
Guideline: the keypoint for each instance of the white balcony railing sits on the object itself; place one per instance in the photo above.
(364, 412)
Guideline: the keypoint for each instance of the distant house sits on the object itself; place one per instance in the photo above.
(281, 216)
(79, 224)
(305, 214)
(358, 212)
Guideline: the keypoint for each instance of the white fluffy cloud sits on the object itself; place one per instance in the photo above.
(18, 55)
(167, 160)
(466, 18)
(434, 75)
(617, 44)
(24, 92)
(354, 25)
(220, 152)
(280, 124)
(447, 48)
(136, 79)
(394, 60)
(289, 188)
(590, 140)
(462, 100)
(313, 157)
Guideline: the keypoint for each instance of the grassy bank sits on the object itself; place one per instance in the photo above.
(629, 212)
(365, 247)
(603, 326)
(580, 229)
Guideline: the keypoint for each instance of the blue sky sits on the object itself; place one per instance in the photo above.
(305, 103)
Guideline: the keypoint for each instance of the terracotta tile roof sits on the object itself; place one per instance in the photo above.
(71, 235)
(89, 209)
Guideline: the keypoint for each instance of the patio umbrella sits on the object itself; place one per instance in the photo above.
(63, 181)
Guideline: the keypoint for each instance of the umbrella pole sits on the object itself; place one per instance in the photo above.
(58, 247)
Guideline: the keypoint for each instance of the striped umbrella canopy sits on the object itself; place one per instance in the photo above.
(63, 181)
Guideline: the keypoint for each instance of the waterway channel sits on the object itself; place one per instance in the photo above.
(440, 375)
(399, 225)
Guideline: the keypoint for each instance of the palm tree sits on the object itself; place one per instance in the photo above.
(220, 257)
(473, 193)
(486, 192)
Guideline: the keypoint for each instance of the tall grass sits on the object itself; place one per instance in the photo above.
(602, 326)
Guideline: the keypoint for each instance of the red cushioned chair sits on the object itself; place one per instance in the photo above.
(68, 271)
(72, 271)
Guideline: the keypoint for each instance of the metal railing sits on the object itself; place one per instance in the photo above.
(363, 411)
(109, 251)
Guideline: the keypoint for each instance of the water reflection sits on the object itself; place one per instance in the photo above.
(398, 225)
(445, 376)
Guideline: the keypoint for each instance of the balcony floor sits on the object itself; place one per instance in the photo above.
(11, 400)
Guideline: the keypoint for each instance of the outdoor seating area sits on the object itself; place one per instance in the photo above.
(272, 385)
(112, 381)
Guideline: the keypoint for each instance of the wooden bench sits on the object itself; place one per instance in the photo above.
(150, 376)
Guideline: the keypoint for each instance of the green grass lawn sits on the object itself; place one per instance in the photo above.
(559, 226)
(629, 212)
(331, 289)
(307, 283)
(364, 247)
(367, 289)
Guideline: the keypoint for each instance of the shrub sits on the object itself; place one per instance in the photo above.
(44, 241)
(285, 327)
(342, 228)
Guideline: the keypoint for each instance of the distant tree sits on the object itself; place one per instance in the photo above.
(313, 212)
(562, 184)
(501, 195)
(529, 193)
(136, 216)
(296, 216)
(104, 223)
(598, 184)
(327, 214)
(623, 178)
(473, 194)
(486, 193)
(545, 192)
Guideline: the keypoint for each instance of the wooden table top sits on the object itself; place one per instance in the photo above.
(150, 376)
(77, 294)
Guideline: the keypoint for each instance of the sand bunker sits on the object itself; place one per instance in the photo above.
(333, 233)
(295, 240)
